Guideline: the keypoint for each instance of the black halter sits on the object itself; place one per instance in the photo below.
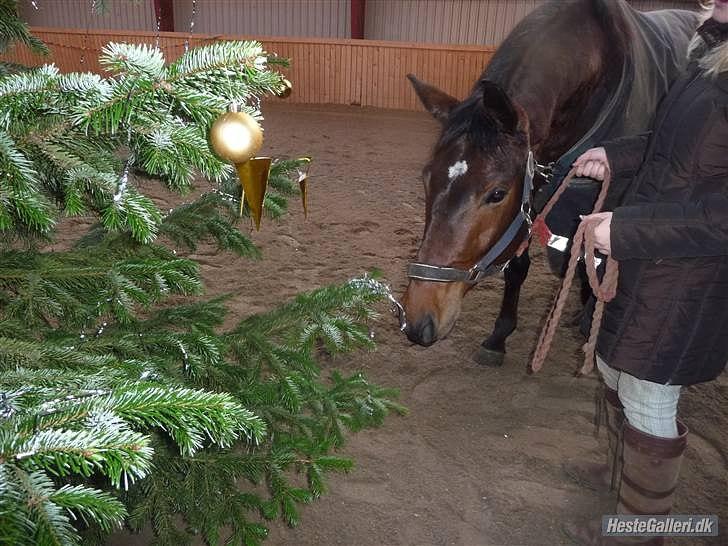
(485, 266)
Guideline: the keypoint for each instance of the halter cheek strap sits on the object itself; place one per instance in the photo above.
(485, 267)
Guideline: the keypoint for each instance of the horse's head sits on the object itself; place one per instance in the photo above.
(473, 188)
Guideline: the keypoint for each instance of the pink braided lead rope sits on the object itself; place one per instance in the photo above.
(582, 245)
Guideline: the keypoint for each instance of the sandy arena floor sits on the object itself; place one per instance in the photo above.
(478, 460)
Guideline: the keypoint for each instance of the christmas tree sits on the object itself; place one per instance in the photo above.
(122, 399)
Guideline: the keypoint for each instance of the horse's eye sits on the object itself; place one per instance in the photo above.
(496, 196)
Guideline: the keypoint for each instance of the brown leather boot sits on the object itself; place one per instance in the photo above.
(651, 466)
(651, 469)
(601, 477)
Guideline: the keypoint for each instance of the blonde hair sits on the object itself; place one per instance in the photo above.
(715, 61)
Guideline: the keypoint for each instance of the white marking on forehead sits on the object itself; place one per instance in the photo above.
(458, 168)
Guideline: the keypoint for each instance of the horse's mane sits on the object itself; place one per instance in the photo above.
(612, 18)
(470, 118)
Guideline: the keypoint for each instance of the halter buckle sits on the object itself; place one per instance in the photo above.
(526, 212)
(473, 274)
(530, 165)
(545, 170)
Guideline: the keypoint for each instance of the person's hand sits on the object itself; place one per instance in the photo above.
(602, 231)
(592, 164)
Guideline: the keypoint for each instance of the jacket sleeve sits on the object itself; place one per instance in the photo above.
(625, 154)
(671, 230)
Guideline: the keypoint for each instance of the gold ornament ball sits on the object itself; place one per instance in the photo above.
(285, 89)
(236, 137)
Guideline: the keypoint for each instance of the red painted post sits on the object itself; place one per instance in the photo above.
(165, 15)
(358, 12)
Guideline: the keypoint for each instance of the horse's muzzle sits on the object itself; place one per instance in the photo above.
(423, 332)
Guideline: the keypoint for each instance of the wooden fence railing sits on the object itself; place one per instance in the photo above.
(360, 72)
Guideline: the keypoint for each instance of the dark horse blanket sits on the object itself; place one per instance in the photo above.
(656, 53)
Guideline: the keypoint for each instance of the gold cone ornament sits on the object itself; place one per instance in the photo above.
(253, 176)
(235, 136)
(285, 89)
(302, 179)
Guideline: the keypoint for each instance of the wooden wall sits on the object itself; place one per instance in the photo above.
(411, 36)
(484, 22)
(372, 73)
(481, 22)
(120, 14)
(309, 18)
(445, 21)
(360, 72)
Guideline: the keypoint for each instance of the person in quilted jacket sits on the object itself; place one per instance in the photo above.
(666, 327)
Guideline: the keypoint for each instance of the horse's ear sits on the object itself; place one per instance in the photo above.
(437, 102)
(499, 106)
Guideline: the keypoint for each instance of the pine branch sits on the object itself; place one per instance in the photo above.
(12, 29)
(162, 113)
(133, 60)
(101, 385)
(208, 217)
(21, 204)
(65, 380)
(76, 286)
(334, 314)
(16, 353)
(25, 92)
(91, 505)
(47, 523)
(120, 454)
(190, 417)
(6, 68)
(16, 526)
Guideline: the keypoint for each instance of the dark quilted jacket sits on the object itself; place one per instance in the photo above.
(669, 321)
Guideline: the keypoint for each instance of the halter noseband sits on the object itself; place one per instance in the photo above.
(485, 266)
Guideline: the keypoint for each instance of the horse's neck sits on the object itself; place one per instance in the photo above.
(560, 88)
(560, 109)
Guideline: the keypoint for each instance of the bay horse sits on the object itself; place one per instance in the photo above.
(546, 86)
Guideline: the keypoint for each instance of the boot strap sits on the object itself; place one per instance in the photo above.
(646, 492)
(631, 509)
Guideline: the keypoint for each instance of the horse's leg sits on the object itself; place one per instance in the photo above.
(492, 351)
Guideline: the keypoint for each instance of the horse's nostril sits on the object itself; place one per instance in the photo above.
(428, 332)
(423, 332)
